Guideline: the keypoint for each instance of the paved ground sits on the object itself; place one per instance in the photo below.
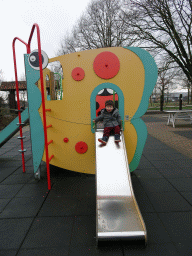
(35, 221)
(179, 138)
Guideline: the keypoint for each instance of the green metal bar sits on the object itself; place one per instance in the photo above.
(61, 88)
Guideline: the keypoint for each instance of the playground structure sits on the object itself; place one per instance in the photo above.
(62, 131)
(72, 132)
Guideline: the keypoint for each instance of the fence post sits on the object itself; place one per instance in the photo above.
(180, 102)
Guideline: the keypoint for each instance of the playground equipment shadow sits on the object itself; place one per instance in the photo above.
(62, 221)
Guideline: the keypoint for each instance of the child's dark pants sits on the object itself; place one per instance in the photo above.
(108, 130)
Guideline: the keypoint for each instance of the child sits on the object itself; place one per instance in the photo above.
(111, 120)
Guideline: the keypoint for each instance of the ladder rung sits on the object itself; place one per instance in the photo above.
(50, 142)
(21, 138)
(21, 151)
(49, 126)
(51, 158)
(18, 110)
(20, 124)
(47, 109)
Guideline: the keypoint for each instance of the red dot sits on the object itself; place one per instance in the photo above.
(106, 65)
(78, 74)
(65, 140)
(81, 147)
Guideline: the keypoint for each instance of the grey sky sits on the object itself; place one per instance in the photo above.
(55, 19)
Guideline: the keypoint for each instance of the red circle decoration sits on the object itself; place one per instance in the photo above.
(81, 147)
(106, 65)
(78, 74)
(65, 140)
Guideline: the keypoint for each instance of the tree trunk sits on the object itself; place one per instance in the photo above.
(161, 102)
(191, 94)
(180, 102)
(12, 101)
(188, 96)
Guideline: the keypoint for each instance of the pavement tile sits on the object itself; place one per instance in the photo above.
(28, 170)
(178, 225)
(174, 173)
(162, 164)
(49, 232)
(84, 231)
(75, 186)
(13, 154)
(141, 197)
(155, 157)
(83, 250)
(19, 207)
(8, 164)
(13, 231)
(59, 205)
(166, 249)
(156, 231)
(156, 185)
(31, 190)
(184, 248)
(174, 156)
(144, 202)
(169, 202)
(8, 252)
(186, 134)
(21, 178)
(150, 173)
(182, 184)
(9, 191)
(55, 251)
(183, 163)
(5, 172)
(145, 164)
(187, 196)
(3, 203)
(149, 119)
(87, 206)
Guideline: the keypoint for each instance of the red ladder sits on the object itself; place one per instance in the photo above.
(42, 95)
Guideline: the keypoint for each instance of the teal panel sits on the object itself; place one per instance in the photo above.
(141, 130)
(93, 100)
(36, 126)
(151, 73)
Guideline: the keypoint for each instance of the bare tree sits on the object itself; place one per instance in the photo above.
(163, 26)
(100, 26)
(167, 80)
(186, 84)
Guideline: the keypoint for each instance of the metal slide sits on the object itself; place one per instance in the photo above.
(118, 216)
(8, 132)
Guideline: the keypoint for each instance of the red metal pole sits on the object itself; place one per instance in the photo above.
(18, 102)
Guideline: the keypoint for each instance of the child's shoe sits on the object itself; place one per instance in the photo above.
(103, 140)
(117, 138)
